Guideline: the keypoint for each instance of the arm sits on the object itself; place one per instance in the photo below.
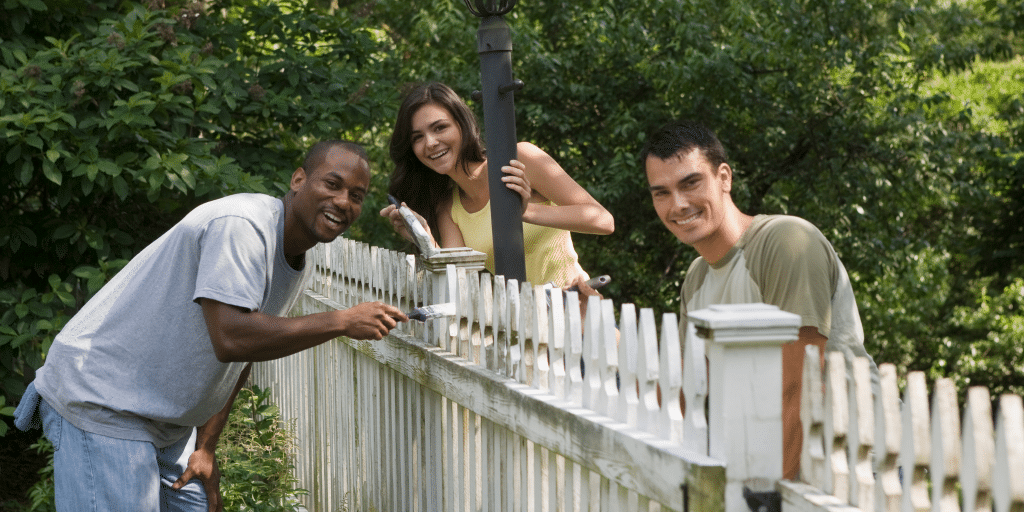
(575, 209)
(202, 464)
(241, 335)
(792, 382)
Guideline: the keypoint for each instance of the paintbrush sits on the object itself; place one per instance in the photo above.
(429, 312)
(594, 283)
(420, 237)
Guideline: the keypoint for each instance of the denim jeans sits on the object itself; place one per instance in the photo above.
(102, 474)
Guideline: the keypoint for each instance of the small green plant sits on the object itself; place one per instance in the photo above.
(255, 463)
(41, 494)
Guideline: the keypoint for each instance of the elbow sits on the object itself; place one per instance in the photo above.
(227, 350)
(606, 226)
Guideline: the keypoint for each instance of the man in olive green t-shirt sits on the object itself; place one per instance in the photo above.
(775, 259)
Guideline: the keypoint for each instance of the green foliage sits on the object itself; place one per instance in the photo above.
(828, 110)
(41, 494)
(254, 456)
(116, 119)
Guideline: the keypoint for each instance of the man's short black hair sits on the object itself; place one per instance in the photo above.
(681, 137)
(318, 153)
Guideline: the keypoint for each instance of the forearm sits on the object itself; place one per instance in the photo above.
(578, 218)
(264, 337)
(208, 433)
(242, 335)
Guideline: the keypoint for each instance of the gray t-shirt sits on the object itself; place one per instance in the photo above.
(137, 362)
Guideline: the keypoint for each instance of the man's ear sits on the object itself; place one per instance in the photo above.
(725, 174)
(298, 178)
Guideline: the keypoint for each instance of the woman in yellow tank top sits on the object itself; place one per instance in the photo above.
(441, 174)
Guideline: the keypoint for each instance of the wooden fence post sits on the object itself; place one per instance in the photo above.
(444, 288)
(745, 392)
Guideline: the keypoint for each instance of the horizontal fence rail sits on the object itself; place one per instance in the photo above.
(520, 401)
(873, 451)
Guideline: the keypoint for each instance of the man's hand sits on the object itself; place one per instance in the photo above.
(371, 320)
(202, 464)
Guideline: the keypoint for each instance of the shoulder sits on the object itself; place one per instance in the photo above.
(529, 149)
(782, 226)
(533, 156)
(260, 211)
(254, 206)
(784, 235)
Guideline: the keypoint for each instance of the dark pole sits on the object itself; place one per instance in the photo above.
(494, 43)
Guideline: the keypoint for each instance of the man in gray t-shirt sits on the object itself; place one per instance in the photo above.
(140, 381)
(775, 259)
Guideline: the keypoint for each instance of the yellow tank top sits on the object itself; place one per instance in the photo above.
(549, 254)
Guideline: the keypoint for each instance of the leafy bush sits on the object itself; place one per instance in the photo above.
(117, 118)
(255, 456)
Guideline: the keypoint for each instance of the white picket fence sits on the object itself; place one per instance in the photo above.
(871, 451)
(519, 403)
(513, 404)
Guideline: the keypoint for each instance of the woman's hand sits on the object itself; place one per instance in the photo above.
(391, 213)
(515, 179)
(585, 291)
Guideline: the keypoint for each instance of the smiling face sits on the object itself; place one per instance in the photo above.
(692, 199)
(326, 200)
(436, 138)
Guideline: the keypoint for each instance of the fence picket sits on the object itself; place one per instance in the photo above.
(889, 488)
(541, 331)
(863, 410)
(647, 368)
(527, 339)
(917, 443)
(979, 450)
(671, 377)
(574, 344)
(485, 309)
(591, 355)
(500, 328)
(1008, 482)
(945, 464)
(837, 427)
(515, 334)
(812, 418)
(695, 389)
(629, 401)
(556, 345)
(608, 356)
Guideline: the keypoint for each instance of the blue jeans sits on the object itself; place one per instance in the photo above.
(102, 474)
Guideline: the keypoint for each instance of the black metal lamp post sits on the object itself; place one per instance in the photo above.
(494, 43)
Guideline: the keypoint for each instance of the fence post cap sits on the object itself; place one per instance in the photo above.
(461, 257)
(745, 323)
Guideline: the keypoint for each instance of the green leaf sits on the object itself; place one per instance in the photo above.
(120, 187)
(64, 231)
(51, 172)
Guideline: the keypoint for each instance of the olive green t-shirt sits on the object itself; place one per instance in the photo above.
(784, 261)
